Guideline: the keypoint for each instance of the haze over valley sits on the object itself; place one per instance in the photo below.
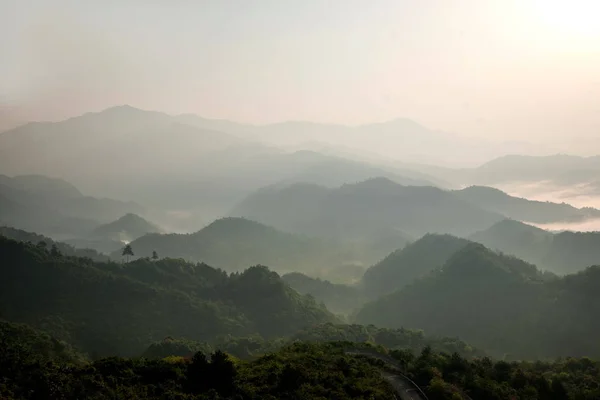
(277, 200)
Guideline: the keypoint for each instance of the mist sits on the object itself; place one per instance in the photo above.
(209, 199)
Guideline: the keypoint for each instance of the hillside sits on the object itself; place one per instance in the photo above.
(55, 207)
(144, 301)
(415, 261)
(339, 298)
(47, 243)
(234, 243)
(561, 253)
(358, 210)
(522, 209)
(498, 303)
(127, 228)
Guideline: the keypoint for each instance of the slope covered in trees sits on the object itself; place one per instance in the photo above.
(297, 371)
(339, 298)
(111, 309)
(498, 303)
(127, 228)
(47, 243)
(363, 209)
(403, 266)
(55, 207)
(561, 253)
(235, 243)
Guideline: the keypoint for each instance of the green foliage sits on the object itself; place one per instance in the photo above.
(109, 308)
(339, 298)
(561, 253)
(396, 339)
(404, 266)
(46, 243)
(299, 371)
(499, 304)
(446, 376)
(235, 243)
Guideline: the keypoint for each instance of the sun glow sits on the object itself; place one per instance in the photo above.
(574, 23)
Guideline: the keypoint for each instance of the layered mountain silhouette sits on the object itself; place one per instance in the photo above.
(523, 209)
(364, 208)
(234, 243)
(561, 253)
(499, 302)
(54, 206)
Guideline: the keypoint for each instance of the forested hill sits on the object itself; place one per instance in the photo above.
(55, 207)
(47, 243)
(358, 210)
(498, 303)
(144, 300)
(235, 243)
(404, 266)
(127, 228)
(561, 253)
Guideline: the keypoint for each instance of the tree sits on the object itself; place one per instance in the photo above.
(128, 251)
(42, 245)
(154, 255)
(54, 252)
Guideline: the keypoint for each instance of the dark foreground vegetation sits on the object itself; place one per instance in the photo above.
(35, 366)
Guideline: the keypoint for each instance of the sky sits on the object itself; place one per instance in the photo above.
(499, 69)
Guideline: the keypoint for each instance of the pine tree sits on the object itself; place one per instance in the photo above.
(128, 251)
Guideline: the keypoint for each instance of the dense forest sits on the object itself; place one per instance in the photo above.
(233, 244)
(36, 366)
(144, 300)
(498, 303)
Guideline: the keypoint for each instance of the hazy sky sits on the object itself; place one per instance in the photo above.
(496, 68)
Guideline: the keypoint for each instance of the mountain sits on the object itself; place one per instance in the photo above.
(558, 169)
(493, 301)
(172, 162)
(54, 206)
(135, 141)
(361, 209)
(234, 243)
(127, 228)
(144, 300)
(561, 253)
(522, 209)
(47, 243)
(339, 298)
(404, 266)
(399, 138)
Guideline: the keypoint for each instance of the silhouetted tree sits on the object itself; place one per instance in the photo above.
(128, 251)
(42, 245)
(54, 252)
(154, 255)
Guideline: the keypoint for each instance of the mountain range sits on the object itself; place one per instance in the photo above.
(55, 207)
(234, 243)
(499, 303)
(561, 253)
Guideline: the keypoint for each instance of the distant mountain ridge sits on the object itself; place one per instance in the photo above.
(127, 228)
(233, 244)
(363, 208)
(561, 253)
(55, 207)
(523, 209)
